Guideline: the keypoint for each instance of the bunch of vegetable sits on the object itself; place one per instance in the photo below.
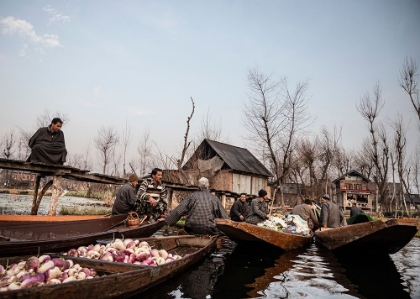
(41, 271)
(127, 251)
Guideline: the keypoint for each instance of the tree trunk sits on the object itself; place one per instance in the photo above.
(35, 206)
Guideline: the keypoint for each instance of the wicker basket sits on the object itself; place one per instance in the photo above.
(133, 219)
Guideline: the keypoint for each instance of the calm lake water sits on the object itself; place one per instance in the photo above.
(235, 272)
(22, 204)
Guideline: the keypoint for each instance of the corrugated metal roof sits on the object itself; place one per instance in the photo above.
(237, 158)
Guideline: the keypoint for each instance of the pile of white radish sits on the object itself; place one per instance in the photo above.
(41, 271)
(127, 251)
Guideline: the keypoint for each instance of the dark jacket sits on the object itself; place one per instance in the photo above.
(331, 214)
(239, 208)
(125, 200)
(258, 212)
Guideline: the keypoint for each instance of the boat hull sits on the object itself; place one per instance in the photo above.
(30, 238)
(369, 237)
(249, 233)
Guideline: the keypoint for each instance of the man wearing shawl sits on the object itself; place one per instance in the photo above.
(48, 145)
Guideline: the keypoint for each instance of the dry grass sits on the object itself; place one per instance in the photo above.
(85, 211)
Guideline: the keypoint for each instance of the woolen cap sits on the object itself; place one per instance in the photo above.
(262, 193)
(133, 177)
(326, 196)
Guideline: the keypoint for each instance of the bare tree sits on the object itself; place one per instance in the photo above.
(262, 116)
(408, 81)
(144, 149)
(400, 142)
(275, 115)
(209, 129)
(363, 162)
(187, 143)
(44, 120)
(126, 141)
(8, 144)
(105, 142)
(377, 147)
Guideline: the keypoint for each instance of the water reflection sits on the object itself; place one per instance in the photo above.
(233, 271)
(407, 263)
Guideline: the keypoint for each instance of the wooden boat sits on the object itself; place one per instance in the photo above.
(246, 232)
(121, 280)
(369, 237)
(19, 238)
(40, 218)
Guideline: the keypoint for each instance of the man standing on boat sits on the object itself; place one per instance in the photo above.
(331, 215)
(126, 198)
(48, 145)
(239, 209)
(201, 209)
(306, 212)
(259, 209)
(152, 196)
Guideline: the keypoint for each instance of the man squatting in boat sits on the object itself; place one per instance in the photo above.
(201, 209)
(306, 212)
(259, 209)
(239, 209)
(48, 145)
(152, 196)
(125, 199)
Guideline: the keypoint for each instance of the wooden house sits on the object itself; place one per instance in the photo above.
(228, 168)
(353, 187)
(414, 197)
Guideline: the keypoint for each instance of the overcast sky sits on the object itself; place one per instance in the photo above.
(112, 62)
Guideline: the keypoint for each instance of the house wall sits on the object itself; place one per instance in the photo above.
(223, 180)
(241, 183)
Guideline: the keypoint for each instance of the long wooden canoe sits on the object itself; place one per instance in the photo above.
(369, 237)
(121, 280)
(246, 232)
(19, 238)
(40, 218)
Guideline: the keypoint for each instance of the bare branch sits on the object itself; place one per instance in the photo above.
(408, 81)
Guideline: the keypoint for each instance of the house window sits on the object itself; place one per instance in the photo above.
(358, 187)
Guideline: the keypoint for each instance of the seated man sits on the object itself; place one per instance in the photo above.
(48, 145)
(152, 196)
(355, 209)
(307, 213)
(201, 209)
(239, 209)
(259, 209)
(125, 200)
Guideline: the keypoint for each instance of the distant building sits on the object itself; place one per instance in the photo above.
(414, 197)
(22, 179)
(353, 187)
(228, 168)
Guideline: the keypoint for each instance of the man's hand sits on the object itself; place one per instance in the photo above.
(152, 201)
(241, 217)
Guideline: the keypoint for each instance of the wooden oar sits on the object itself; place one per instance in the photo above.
(119, 223)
